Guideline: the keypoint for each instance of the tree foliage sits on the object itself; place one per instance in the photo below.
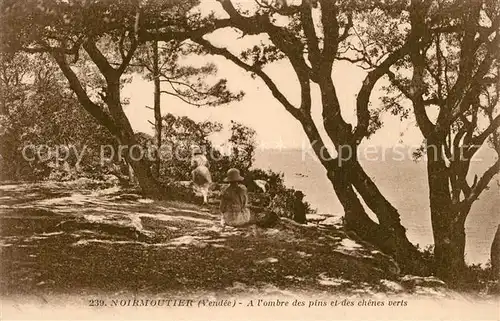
(41, 116)
(242, 142)
(181, 134)
(452, 67)
(107, 33)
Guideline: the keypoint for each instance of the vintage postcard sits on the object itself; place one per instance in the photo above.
(249, 159)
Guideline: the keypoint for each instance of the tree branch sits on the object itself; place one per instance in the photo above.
(461, 102)
(95, 110)
(478, 140)
(347, 27)
(418, 38)
(267, 80)
(100, 60)
(283, 40)
(468, 85)
(483, 182)
(181, 97)
(166, 36)
(134, 42)
(331, 34)
(310, 33)
(128, 57)
(363, 98)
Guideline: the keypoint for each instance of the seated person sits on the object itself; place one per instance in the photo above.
(234, 202)
(299, 209)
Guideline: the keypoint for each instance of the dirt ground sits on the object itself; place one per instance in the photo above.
(61, 239)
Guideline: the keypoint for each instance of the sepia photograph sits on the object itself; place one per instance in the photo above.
(249, 159)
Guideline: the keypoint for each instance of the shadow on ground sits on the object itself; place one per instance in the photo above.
(58, 238)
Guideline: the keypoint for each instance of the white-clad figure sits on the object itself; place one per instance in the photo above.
(201, 177)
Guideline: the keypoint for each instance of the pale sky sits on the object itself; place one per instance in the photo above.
(259, 110)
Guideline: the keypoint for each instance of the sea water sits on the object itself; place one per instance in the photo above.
(403, 183)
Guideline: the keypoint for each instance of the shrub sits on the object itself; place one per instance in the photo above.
(476, 277)
(181, 133)
(281, 198)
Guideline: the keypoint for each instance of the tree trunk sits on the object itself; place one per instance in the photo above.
(140, 167)
(131, 176)
(356, 218)
(391, 235)
(116, 121)
(157, 111)
(349, 177)
(135, 154)
(388, 235)
(495, 255)
(449, 247)
(447, 221)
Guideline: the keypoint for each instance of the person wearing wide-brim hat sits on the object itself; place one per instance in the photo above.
(234, 202)
(233, 175)
(299, 208)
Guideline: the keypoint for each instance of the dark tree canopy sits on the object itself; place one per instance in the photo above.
(109, 34)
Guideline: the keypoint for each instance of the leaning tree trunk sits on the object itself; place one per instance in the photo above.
(391, 234)
(495, 255)
(448, 221)
(116, 121)
(135, 154)
(356, 218)
(140, 165)
(388, 235)
(347, 179)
